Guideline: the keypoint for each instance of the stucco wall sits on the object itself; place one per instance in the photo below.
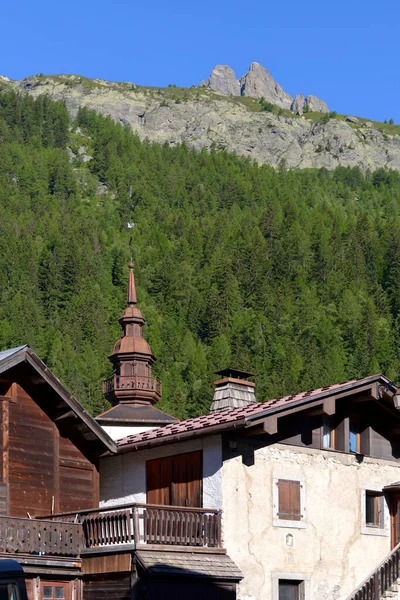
(123, 477)
(330, 553)
(117, 432)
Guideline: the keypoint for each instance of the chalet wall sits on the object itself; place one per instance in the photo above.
(123, 477)
(41, 470)
(327, 550)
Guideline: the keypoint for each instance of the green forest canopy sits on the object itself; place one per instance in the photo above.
(293, 275)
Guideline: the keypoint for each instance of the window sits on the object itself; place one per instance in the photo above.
(374, 511)
(328, 433)
(54, 590)
(290, 586)
(289, 510)
(354, 436)
(289, 500)
(290, 589)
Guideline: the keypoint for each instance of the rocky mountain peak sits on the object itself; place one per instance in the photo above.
(259, 83)
(223, 80)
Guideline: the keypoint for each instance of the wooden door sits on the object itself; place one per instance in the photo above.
(394, 520)
(175, 480)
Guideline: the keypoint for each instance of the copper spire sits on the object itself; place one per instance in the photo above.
(131, 285)
(132, 358)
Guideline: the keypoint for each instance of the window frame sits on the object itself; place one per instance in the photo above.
(328, 423)
(290, 523)
(302, 579)
(382, 526)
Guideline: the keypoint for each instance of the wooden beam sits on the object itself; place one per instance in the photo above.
(270, 425)
(69, 414)
(329, 406)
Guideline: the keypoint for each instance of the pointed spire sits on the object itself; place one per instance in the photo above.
(131, 285)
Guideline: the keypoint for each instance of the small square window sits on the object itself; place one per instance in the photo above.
(47, 591)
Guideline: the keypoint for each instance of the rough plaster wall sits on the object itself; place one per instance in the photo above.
(123, 477)
(117, 432)
(331, 553)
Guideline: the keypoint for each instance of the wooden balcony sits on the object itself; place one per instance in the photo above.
(121, 385)
(146, 524)
(38, 536)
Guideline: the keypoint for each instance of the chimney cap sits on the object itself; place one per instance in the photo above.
(234, 373)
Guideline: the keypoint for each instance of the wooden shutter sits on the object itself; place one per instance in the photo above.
(289, 500)
(365, 441)
(159, 478)
(342, 435)
(175, 480)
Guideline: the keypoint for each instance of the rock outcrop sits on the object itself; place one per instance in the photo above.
(207, 120)
(259, 83)
(223, 81)
(313, 104)
(316, 104)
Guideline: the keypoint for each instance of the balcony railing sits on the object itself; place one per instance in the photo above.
(148, 524)
(120, 383)
(34, 536)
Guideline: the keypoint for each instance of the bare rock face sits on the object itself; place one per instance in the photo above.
(313, 103)
(316, 105)
(298, 104)
(259, 83)
(223, 81)
(211, 121)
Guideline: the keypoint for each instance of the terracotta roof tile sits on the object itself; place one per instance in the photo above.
(234, 416)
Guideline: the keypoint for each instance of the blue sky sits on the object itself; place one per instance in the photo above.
(345, 52)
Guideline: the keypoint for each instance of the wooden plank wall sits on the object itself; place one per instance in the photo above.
(110, 588)
(45, 471)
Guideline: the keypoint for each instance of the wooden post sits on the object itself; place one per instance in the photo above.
(376, 586)
(135, 519)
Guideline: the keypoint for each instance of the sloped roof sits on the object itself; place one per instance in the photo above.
(237, 417)
(6, 353)
(140, 413)
(187, 564)
(23, 366)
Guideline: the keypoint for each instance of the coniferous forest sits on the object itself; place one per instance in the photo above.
(293, 275)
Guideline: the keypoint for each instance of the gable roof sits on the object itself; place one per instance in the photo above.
(241, 417)
(23, 366)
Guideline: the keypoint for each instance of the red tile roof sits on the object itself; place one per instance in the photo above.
(237, 417)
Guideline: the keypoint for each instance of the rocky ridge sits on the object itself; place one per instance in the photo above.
(204, 119)
(259, 83)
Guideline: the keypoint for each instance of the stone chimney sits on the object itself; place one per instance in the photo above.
(233, 390)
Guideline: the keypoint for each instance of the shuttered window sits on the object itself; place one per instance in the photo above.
(289, 500)
(175, 480)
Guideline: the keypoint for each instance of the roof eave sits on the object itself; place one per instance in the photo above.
(26, 354)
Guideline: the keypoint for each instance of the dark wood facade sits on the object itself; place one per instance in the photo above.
(374, 426)
(41, 470)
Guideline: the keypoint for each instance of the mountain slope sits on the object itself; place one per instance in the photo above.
(292, 275)
(203, 119)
